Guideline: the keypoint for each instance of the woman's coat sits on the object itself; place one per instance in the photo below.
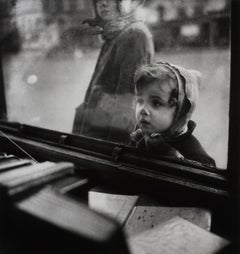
(108, 108)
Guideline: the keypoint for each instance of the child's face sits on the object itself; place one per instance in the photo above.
(153, 111)
(107, 9)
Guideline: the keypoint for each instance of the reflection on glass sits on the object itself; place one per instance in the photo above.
(108, 108)
(49, 57)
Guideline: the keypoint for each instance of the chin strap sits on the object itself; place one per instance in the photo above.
(155, 143)
(137, 136)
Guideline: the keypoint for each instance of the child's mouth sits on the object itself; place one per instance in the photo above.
(144, 122)
(105, 11)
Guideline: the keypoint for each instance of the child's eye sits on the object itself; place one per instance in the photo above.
(156, 103)
(139, 100)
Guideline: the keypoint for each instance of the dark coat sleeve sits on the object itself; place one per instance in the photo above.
(134, 48)
(191, 149)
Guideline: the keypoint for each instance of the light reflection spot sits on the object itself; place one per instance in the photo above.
(32, 80)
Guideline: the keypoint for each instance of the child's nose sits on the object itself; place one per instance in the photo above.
(144, 111)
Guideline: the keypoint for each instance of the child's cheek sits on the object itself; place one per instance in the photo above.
(137, 112)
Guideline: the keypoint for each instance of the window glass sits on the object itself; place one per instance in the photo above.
(70, 65)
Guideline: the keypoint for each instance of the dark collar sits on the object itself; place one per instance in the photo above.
(191, 126)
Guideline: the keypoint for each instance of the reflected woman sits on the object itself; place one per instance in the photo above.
(108, 108)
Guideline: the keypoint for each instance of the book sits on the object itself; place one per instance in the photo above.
(71, 184)
(20, 179)
(11, 163)
(51, 220)
(23, 171)
(4, 156)
(148, 216)
(176, 236)
(116, 206)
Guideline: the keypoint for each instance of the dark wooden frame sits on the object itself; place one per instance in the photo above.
(3, 105)
(115, 166)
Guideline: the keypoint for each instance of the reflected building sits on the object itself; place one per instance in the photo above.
(56, 25)
(9, 36)
(68, 16)
(189, 23)
(46, 24)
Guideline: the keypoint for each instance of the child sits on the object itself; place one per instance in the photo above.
(166, 97)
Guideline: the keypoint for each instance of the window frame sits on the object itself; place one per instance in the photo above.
(3, 104)
(120, 153)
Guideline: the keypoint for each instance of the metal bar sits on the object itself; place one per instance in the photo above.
(3, 105)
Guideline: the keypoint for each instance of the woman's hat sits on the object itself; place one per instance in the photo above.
(120, 8)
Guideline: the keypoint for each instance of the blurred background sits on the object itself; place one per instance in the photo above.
(49, 57)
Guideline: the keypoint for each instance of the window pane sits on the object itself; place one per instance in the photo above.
(68, 76)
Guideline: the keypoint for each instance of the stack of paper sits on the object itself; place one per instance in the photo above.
(176, 236)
